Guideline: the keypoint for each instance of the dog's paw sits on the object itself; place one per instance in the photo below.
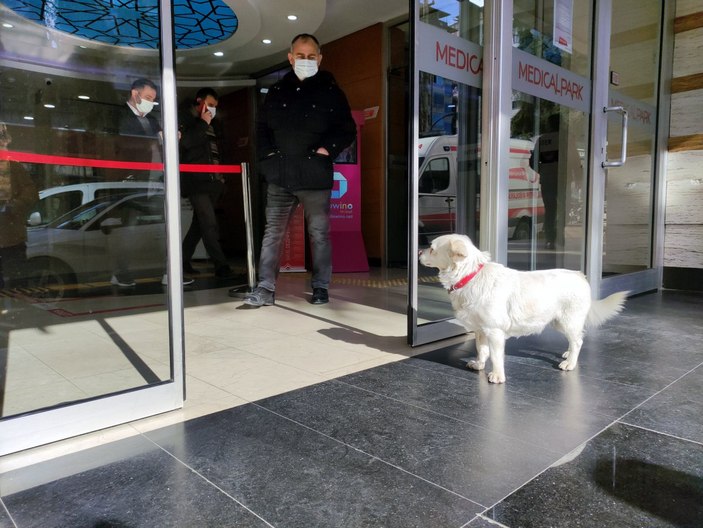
(475, 364)
(565, 355)
(494, 377)
(566, 365)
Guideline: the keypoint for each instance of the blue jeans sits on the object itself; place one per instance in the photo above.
(280, 206)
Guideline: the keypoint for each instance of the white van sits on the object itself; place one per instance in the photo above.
(437, 188)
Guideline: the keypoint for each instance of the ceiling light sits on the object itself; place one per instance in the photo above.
(266, 41)
(219, 53)
(7, 25)
(49, 105)
(292, 17)
(84, 97)
(29, 118)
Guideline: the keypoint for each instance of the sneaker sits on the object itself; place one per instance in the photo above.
(320, 296)
(260, 297)
(186, 280)
(224, 272)
(123, 282)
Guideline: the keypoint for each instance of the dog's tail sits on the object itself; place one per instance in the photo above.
(606, 308)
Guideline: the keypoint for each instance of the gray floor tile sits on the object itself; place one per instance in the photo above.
(147, 488)
(677, 410)
(625, 477)
(296, 477)
(476, 463)
(540, 379)
(467, 396)
(5, 521)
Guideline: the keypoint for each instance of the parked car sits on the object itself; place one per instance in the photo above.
(57, 201)
(81, 245)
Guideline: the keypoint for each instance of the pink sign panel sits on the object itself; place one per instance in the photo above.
(348, 250)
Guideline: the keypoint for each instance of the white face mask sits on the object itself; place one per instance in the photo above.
(145, 106)
(305, 68)
(212, 111)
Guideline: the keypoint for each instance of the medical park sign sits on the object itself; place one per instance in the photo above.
(449, 56)
(452, 57)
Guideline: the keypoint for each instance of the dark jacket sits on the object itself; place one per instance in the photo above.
(15, 207)
(136, 142)
(296, 119)
(194, 147)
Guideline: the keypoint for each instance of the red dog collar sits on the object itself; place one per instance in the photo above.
(463, 282)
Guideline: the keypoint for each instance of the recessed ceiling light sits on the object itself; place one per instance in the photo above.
(292, 17)
(47, 105)
(7, 25)
(28, 118)
(84, 97)
(83, 47)
(219, 53)
(266, 41)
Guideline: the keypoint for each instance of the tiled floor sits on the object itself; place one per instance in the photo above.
(334, 425)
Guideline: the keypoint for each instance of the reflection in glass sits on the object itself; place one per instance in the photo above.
(86, 315)
(629, 197)
(547, 189)
(448, 157)
(549, 141)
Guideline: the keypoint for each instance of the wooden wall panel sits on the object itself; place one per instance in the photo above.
(357, 63)
(683, 239)
(684, 246)
(686, 113)
(688, 48)
(687, 7)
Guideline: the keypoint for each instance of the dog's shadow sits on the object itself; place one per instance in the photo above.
(528, 350)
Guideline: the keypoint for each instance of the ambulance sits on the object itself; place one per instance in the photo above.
(437, 188)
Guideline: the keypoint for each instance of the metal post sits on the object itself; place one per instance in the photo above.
(238, 291)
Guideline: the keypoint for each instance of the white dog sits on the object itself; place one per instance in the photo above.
(496, 302)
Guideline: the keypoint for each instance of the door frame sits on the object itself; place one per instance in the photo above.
(649, 279)
(49, 425)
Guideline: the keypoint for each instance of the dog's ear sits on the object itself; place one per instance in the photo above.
(458, 250)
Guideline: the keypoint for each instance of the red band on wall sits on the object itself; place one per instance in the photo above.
(44, 159)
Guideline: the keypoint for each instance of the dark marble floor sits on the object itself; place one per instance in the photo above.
(421, 443)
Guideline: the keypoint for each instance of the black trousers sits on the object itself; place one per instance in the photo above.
(204, 225)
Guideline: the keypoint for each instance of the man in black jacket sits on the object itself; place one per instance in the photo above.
(304, 124)
(199, 144)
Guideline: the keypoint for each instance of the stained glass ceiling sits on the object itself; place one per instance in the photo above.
(132, 23)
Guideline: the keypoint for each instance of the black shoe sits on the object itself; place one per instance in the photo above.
(188, 269)
(320, 296)
(224, 272)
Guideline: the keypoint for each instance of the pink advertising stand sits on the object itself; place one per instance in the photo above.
(348, 250)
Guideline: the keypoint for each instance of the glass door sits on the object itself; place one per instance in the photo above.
(445, 145)
(90, 323)
(631, 70)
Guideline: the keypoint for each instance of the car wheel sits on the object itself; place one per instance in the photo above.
(523, 230)
(50, 278)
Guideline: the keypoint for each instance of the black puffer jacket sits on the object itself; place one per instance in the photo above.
(296, 119)
(194, 147)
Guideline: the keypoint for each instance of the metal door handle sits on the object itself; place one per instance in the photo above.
(623, 152)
